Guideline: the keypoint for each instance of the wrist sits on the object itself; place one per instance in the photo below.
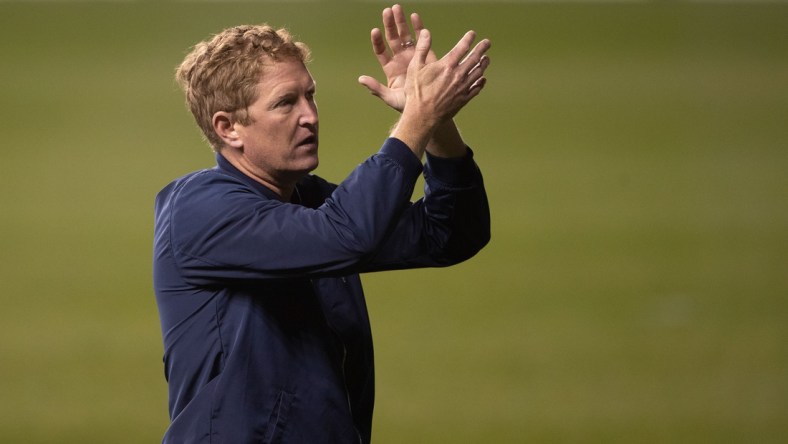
(446, 141)
(415, 130)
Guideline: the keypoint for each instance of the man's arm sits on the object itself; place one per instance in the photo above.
(395, 54)
(452, 222)
(434, 92)
(446, 141)
(449, 225)
(217, 228)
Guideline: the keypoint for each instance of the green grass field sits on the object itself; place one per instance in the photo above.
(636, 157)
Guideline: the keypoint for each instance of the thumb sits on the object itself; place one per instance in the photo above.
(423, 45)
(374, 87)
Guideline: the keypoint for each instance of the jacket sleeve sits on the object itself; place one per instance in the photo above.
(449, 225)
(220, 230)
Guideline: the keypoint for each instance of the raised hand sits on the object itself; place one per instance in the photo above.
(434, 92)
(395, 57)
(441, 88)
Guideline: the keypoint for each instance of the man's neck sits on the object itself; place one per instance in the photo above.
(282, 188)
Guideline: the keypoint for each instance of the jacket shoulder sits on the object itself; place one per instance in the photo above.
(201, 184)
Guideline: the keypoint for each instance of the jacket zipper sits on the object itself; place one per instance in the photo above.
(344, 357)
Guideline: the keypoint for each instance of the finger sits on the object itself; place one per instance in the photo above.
(379, 46)
(478, 52)
(374, 87)
(402, 24)
(480, 67)
(478, 85)
(476, 73)
(476, 88)
(457, 53)
(423, 45)
(472, 81)
(390, 28)
(417, 23)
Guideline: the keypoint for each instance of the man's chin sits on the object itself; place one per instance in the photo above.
(307, 167)
(314, 164)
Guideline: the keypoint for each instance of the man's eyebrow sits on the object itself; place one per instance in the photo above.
(284, 94)
(291, 91)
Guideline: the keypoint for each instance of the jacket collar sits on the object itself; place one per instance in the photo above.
(225, 166)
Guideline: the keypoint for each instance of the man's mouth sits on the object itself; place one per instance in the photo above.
(310, 140)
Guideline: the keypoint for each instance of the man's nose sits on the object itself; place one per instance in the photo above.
(309, 113)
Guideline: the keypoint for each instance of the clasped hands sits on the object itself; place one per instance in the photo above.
(433, 89)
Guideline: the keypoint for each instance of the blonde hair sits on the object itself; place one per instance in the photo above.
(222, 74)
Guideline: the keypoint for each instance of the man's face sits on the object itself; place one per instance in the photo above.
(281, 142)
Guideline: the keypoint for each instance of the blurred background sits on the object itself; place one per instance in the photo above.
(636, 158)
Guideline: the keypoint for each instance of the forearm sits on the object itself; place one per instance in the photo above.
(414, 131)
(450, 224)
(446, 141)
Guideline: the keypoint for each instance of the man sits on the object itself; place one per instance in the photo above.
(256, 262)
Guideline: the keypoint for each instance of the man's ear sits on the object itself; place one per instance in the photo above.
(225, 128)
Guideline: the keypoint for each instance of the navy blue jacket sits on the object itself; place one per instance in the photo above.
(265, 328)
